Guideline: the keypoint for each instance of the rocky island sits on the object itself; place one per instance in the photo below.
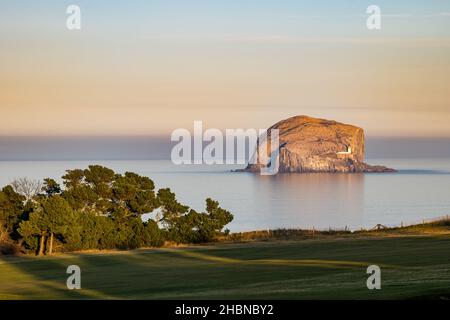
(318, 145)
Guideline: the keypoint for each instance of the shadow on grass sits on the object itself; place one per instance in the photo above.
(38, 278)
(294, 270)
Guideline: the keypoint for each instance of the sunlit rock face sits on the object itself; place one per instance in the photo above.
(317, 145)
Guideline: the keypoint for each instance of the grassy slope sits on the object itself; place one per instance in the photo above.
(413, 266)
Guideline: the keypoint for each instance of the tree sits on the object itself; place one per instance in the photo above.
(153, 236)
(195, 227)
(171, 209)
(123, 198)
(29, 188)
(100, 179)
(218, 218)
(11, 211)
(100, 190)
(52, 218)
(51, 187)
(73, 178)
(82, 198)
(90, 231)
(135, 193)
(99, 209)
(80, 193)
(186, 225)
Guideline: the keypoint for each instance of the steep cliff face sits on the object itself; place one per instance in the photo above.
(317, 145)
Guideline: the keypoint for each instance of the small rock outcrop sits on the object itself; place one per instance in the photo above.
(317, 145)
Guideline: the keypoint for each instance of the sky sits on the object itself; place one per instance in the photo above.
(139, 68)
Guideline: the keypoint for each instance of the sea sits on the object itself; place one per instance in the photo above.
(419, 191)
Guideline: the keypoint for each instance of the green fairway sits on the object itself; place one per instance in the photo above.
(412, 267)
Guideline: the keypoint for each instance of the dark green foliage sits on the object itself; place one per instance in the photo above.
(135, 193)
(51, 187)
(52, 218)
(12, 210)
(99, 209)
(153, 235)
(195, 227)
(171, 209)
(73, 178)
(81, 197)
(54, 215)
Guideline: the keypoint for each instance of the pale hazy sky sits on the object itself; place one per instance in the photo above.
(148, 67)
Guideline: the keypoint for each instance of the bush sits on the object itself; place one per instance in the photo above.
(9, 248)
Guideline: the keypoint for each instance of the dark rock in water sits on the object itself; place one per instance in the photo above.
(317, 145)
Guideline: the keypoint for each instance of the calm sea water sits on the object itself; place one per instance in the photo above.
(420, 190)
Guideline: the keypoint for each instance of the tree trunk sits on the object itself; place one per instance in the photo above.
(41, 245)
(50, 248)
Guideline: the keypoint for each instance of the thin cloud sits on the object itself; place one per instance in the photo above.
(440, 14)
(292, 39)
(383, 15)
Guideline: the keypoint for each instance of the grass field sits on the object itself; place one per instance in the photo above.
(412, 267)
